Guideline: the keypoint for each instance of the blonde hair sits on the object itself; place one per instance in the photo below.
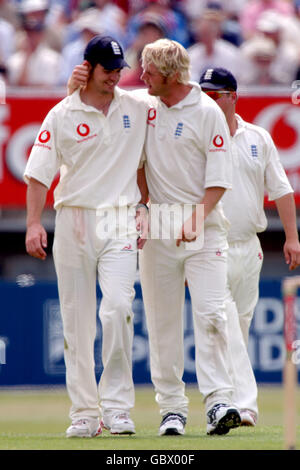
(168, 57)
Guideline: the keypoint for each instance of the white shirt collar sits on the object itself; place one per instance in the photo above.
(190, 99)
(241, 124)
(76, 104)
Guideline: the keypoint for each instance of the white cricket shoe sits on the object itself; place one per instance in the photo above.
(172, 425)
(248, 418)
(221, 418)
(118, 423)
(84, 427)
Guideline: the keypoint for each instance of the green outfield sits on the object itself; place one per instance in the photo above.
(36, 420)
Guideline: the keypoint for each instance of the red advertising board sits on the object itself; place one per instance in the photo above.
(22, 115)
(20, 120)
(280, 115)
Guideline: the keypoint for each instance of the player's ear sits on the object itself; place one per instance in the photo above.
(234, 96)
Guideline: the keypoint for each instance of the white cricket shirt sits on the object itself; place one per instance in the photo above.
(187, 151)
(97, 155)
(256, 168)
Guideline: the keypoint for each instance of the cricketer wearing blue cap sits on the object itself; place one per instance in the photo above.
(256, 169)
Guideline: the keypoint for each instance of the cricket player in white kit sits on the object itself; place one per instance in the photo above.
(95, 138)
(256, 168)
(188, 162)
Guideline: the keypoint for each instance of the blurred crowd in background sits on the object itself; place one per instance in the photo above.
(258, 40)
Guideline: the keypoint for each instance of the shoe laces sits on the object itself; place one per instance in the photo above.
(171, 416)
(213, 411)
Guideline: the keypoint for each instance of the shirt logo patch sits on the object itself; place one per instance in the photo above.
(208, 74)
(127, 248)
(178, 130)
(126, 121)
(254, 151)
(115, 47)
(44, 137)
(151, 117)
(218, 141)
(83, 130)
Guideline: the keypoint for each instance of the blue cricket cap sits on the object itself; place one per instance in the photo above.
(106, 51)
(217, 79)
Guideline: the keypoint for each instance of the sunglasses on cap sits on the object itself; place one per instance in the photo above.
(215, 94)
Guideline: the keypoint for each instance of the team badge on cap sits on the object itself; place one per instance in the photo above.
(116, 48)
(208, 74)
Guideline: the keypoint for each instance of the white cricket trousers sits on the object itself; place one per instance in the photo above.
(163, 270)
(80, 257)
(245, 260)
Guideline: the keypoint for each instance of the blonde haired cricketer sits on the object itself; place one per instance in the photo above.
(187, 162)
(169, 58)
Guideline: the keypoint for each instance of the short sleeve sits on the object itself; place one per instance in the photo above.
(276, 180)
(218, 151)
(44, 162)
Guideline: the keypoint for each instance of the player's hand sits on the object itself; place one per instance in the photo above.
(79, 77)
(192, 227)
(187, 233)
(36, 241)
(291, 252)
(142, 226)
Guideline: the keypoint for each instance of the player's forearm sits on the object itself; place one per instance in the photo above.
(211, 197)
(209, 201)
(142, 184)
(71, 87)
(287, 213)
(36, 198)
(193, 225)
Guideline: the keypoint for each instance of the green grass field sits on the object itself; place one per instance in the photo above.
(37, 420)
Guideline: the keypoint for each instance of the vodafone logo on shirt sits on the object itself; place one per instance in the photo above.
(151, 117)
(83, 130)
(43, 138)
(218, 143)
